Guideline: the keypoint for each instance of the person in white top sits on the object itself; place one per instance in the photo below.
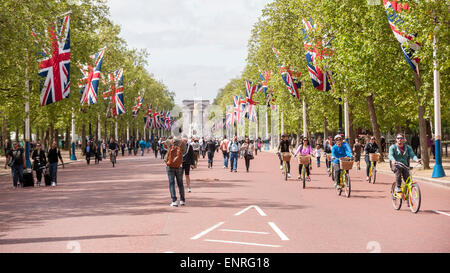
(224, 149)
(318, 153)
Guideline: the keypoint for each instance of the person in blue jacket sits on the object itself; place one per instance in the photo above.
(339, 150)
(142, 145)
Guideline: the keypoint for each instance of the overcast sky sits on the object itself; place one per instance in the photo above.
(202, 41)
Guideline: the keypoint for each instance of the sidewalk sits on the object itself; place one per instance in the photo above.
(420, 174)
(65, 155)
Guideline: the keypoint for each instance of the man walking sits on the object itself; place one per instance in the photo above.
(233, 150)
(224, 149)
(52, 164)
(174, 169)
(16, 160)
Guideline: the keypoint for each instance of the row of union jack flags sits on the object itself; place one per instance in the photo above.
(158, 120)
(54, 69)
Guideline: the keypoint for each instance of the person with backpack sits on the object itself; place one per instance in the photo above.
(16, 160)
(52, 164)
(233, 150)
(224, 149)
(211, 149)
(174, 168)
(248, 150)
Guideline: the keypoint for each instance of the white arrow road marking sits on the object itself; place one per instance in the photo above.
(240, 243)
(278, 231)
(440, 212)
(258, 209)
(206, 231)
(245, 231)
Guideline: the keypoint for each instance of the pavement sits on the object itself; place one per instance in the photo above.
(98, 208)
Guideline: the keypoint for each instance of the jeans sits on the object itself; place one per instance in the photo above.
(177, 173)
(53, 169)
(399, 172)
(337, 172)
(17, 174)
(368, 164)
(210, 158)
(142, 151)
(247, 162)
(233, 160)
(226, 156)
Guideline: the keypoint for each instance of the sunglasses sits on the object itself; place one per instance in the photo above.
(400, 138)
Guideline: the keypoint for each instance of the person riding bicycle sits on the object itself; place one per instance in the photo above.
(339, 150)
(284, 147)
(371, 147)
(401, 153)
(112, 147)
(327, 150)
(304, 149)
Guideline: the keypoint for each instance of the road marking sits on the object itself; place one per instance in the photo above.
(169, 252)
(245, 231)
(278, 231)
(440, 212)
(240, 243)
(206, 231)
(258, 209)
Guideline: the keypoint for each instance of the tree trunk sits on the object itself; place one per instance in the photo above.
(325, 130)
(5, 129)
(56, 137)
(37, 134)
(422, 127)
(51, 133)
(374, 121)
(67, 138)
(17, 133)
(105, 131)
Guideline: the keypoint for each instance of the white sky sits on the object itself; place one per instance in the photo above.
(202, 41)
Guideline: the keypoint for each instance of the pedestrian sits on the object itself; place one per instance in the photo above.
(248, 150)
(196, 147)
(16, 160)
(122, 148)
(203, 144)
(163, 148)
(233, 150)
(174, 168)
(39, 162)
(357, 153)
(95, 151)
(224, 149)
(415, 143)
(318, 154)
(87, 152)
(155, 148)
(104, 149)
(211, 149)
(53, 155)
(136, 146)
(188, 161)
(142, 146)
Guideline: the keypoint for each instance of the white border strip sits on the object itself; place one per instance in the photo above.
(278, 231)
(258, 209)
(240, 243)
(440, 212)
(245, 231)
(206, 231)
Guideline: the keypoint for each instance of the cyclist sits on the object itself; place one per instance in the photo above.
(327, 150)
(284, 147)
(339, 150)
(113, 148)
(371, 147)
(401, 153)
(304, 149)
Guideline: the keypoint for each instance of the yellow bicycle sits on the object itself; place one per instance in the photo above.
(410, 192)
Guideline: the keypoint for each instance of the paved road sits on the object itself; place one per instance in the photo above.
(126, 209)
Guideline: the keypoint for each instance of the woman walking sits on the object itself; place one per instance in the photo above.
(39, 162)
(249, 150)
(188, 161)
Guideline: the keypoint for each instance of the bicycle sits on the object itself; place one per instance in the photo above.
(346, 164)
(304, 160)
(112, 157)
(373, 169)
(330, 170)
(410, 191)
(286, 157)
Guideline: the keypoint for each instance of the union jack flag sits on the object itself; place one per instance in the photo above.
(393, 10)
(320, 79)
(239, 107)
(229, 116)
(250, 103)
(155, 120)
(264, 82)
(290, 78)
(138, 105)
(115, 92)
(149, 118)
(54, 68)
(91, 79)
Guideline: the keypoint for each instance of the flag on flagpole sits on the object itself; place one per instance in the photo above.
(91, 79)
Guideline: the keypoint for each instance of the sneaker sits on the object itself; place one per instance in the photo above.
(182, 203)
(235, 171)
(367, 178)
(289, 175)
(298, 177)
(174, 204)
(308, 179)
(53, 184)
(224, 167)
(189, 189)
(281, 167)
